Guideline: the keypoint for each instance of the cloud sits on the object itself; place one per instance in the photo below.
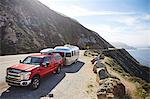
(76, 11)
(131, 32)
(127, 20)
(133, 20)
(146, 17)
(104, 28)
(136, 38)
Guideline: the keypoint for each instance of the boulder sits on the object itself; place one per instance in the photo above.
(111, 88)
(98, 65)
(102, 73)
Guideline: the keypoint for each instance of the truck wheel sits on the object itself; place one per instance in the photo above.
(58, 70)
(35, 82)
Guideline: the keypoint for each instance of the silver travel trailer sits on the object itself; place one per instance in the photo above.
(69, 53)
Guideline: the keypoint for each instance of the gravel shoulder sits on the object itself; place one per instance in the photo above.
(79, 85)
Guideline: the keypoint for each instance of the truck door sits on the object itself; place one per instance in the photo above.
(44, 68)
(52, 64)
(51, 67)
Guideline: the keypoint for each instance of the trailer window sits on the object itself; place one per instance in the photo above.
(68, 54)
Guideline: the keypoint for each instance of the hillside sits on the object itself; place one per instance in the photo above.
(29, 26)
(126, 62)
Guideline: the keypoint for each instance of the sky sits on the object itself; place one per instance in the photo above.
(126, 21)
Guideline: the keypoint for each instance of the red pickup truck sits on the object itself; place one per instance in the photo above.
(33, 68)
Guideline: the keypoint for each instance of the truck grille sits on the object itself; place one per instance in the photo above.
(13, 74)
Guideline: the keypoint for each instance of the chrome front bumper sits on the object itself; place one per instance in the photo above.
(18, 82)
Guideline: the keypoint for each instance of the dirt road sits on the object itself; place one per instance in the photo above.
(74, 82)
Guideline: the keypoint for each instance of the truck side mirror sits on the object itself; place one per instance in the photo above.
(45, 64)
(20, 61)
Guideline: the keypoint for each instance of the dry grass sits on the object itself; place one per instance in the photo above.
(143, 88)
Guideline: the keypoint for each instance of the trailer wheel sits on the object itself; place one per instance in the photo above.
(76, 61)
(35, 83)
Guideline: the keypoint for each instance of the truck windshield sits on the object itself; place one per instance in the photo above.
(61, 53)
(32, 60)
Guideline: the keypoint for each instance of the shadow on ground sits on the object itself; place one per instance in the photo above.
(47, 84)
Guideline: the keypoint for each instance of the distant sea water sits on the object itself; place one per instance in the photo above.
(142, 55)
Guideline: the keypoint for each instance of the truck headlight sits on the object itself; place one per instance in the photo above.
(25, 75)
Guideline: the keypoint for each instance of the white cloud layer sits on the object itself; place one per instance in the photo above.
(132, 32)
(76, 11)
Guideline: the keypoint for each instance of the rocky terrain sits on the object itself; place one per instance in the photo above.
(29, 26)
(126, 68)
(126, 61)
(110, 86)
(129, 64)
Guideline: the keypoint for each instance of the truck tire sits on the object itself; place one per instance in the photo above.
(58, 70)
(35, 83)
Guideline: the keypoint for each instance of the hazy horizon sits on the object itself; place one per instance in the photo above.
(115, 20)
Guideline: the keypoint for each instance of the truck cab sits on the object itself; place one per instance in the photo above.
(29, 71)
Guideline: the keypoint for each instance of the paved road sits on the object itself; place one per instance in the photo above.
(74, 82)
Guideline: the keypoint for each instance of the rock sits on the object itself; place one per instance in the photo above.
(111, 88)
(119, 91)
(110, 96)
(98, 63)
(102, 73)
(96, 66)
(97, 58)
(101, 96)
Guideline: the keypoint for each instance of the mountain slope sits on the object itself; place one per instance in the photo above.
(122, 45)
(128, 63)
(29, 26)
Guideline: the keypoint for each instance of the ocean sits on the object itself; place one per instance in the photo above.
(142, 55)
